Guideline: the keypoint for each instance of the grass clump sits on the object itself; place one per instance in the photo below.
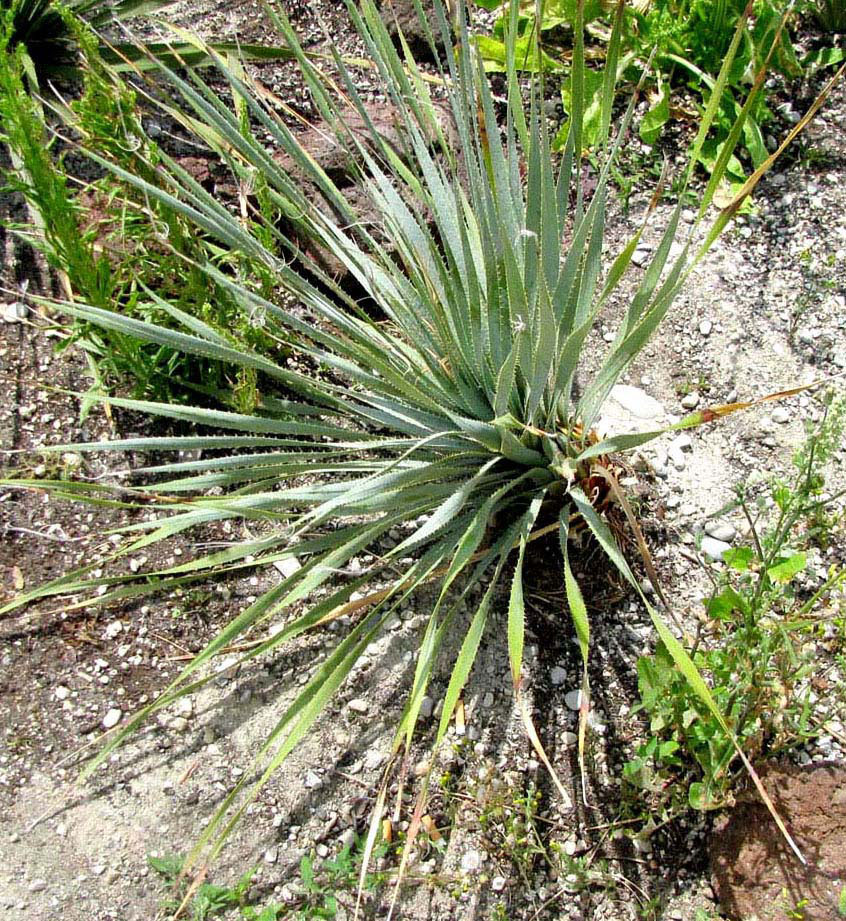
(45, 31)
(107, 241)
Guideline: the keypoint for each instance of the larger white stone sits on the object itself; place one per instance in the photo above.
(713, 548)
(288, 567)
(721, 530)
(471, 861)
(637, 402)
(629, 409)
(573, 699)
(15, 312)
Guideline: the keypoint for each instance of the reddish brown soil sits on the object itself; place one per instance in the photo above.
(754, 871)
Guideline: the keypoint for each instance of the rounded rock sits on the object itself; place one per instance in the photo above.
(471, 862)
(112, 718)
(636, 401)
(558, 675)
(15, 312)
(677, 459)
(714, 549)
(721, 530)
(427, 707)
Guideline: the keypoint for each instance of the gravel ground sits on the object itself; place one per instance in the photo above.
(763, 312)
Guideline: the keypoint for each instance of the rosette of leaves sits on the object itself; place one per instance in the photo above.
(42, 27)
(45, 28)
(448, 407)
(830, 14)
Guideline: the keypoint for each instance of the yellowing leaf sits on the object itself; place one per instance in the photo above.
(725, 193)
(786, 569)
(459, 717)
(428, 824)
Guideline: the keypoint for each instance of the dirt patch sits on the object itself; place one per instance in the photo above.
(755, 873)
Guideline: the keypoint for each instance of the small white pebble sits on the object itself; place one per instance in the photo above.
(112, 718)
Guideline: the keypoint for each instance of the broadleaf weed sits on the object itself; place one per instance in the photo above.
(211, 900)
(686, 44)
(324, 885)
(756, 653)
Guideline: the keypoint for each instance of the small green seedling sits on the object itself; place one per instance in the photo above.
(754, 652)
(210, 900)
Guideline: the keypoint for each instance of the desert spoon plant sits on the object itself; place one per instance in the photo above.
(453, 409)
